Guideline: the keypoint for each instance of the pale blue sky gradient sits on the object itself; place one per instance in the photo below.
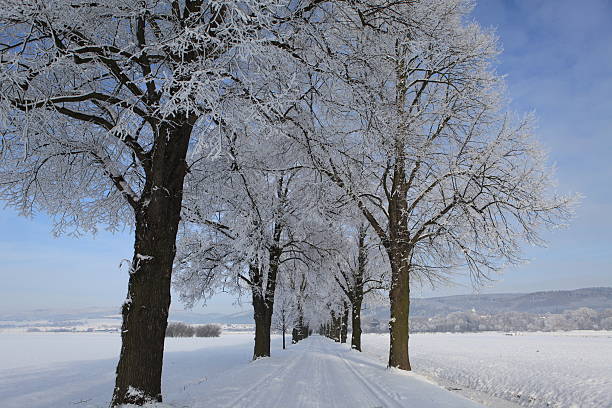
(558, 61)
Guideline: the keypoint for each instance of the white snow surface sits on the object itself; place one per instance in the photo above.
(211, 372)
(552, 370)
(536, 370)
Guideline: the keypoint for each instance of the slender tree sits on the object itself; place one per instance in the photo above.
(284, 310)
(358, 273)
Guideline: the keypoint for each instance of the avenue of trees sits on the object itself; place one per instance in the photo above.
(309, 154)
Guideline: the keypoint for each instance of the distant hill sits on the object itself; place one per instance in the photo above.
(556, 301)
(187, 316)
(245, 317)
(62, 314)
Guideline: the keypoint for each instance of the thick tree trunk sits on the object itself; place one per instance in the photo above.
(356, 324)
(263, 301)
(399, 297)
(145, 311)
(262, 314)
(399, 250)
(344, 324)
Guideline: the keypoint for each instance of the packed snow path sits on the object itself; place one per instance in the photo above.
(320, 373)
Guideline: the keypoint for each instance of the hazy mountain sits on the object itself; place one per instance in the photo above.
(187, 316)
(556, 301)
(62, 314)
(195, 317)
(538, 302)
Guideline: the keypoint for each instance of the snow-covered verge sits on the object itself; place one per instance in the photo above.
(213, 372)
(77, 369)
(536, 370)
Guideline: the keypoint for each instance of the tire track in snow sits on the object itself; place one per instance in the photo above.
(332, 397)
(252, 391)
(377, 391)
(280, 397)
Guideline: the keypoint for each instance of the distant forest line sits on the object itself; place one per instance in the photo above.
(583, 318)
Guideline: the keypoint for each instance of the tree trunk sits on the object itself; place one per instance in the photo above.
(263, 300)
(336, 327)
(263, 323)
(298, 330)
(356, 324)
(284, 330)
(145, 311)
(344, 324)
(294, 336)
(399, 250)
(399, 297)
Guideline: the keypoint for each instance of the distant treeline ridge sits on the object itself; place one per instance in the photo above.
(583, 318)
(179, 329)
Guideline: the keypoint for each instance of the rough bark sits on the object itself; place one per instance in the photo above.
(399, 250)
(263, 299)
(300, 332)
(356, 325)
(263, 323)
(145, 312)
(336, 329)
(294, 336)
(344, 324)
(399, 297)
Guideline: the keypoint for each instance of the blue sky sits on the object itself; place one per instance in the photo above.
(558, 61)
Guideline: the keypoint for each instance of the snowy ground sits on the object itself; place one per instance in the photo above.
(547, 370)
(210, 373)
(533, 370)
(77, 369)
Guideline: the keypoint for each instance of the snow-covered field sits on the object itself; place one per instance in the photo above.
(77, 369)
(548, 370)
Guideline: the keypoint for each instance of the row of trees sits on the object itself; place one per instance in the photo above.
(180, 329)
(308, 153)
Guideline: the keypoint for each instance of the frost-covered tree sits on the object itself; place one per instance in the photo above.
(252, 215)
(105, 105)
(284, 314)
(358, 272)
(414, 129)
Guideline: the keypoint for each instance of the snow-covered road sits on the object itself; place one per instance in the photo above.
(321, 373)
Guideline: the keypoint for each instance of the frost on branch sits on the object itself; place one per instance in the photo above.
(86, 92)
